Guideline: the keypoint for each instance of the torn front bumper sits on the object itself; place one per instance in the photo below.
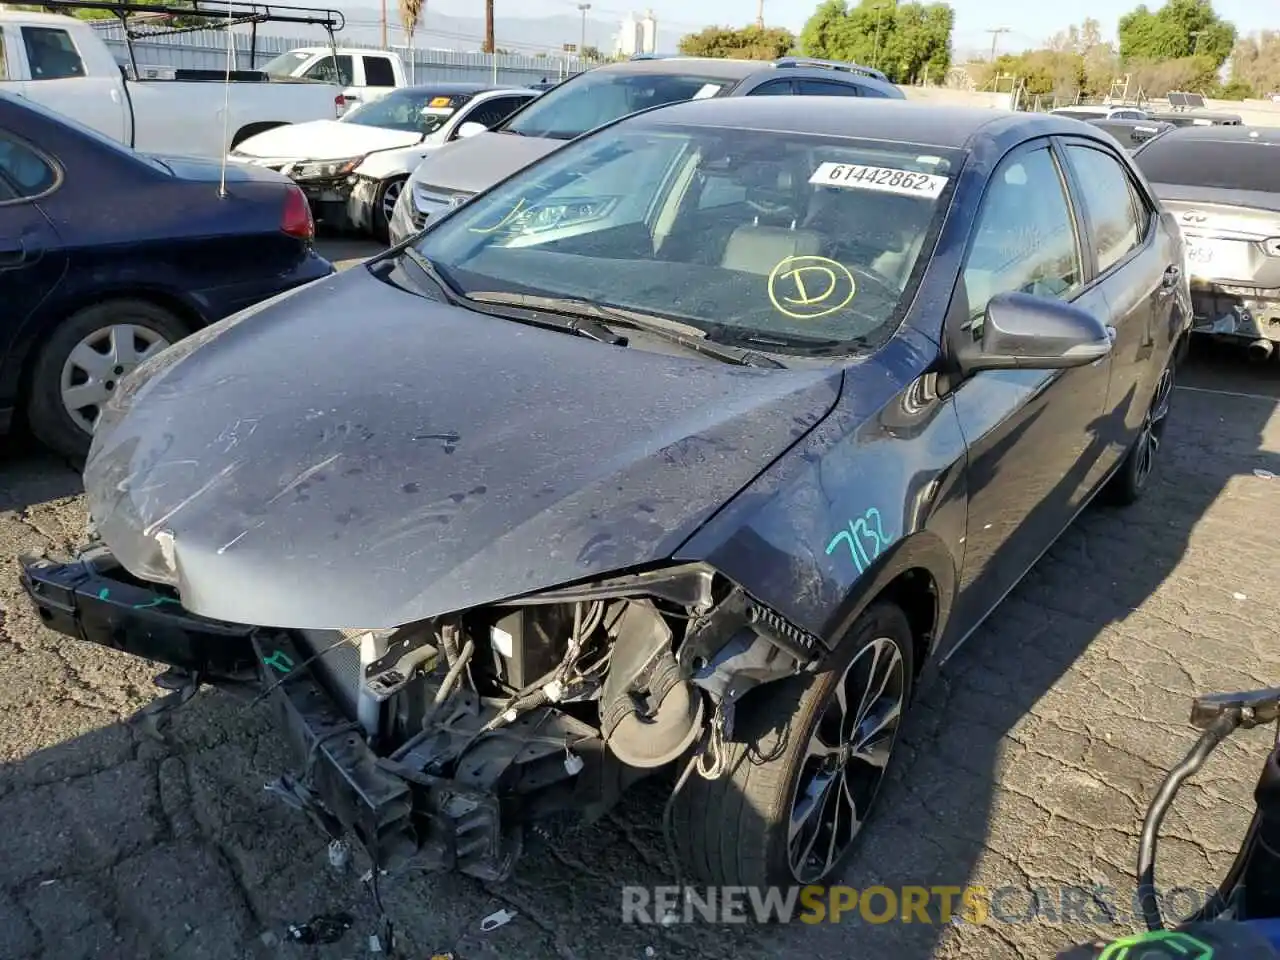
(360, 203)
(398, 815)
(1234, 312)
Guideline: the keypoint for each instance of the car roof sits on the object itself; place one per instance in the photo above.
(903, 121)
(451, 88)
(712, 67)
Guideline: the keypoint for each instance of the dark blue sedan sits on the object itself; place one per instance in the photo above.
(703, 440)
(108, 256)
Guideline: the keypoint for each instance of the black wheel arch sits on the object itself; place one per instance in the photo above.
(253, 129)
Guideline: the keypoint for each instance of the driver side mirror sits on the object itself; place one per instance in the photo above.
(1021, 331)
(470, 129)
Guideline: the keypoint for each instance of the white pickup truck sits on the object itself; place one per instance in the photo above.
(364, 74)
(61, 63)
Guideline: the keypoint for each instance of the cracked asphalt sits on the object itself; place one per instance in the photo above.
(1028, 765)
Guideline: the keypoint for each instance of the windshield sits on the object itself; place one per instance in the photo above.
(284, 65)
(599, 97)
(414, 111)
(1211, 163)
(737, 232)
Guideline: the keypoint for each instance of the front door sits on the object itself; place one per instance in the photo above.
(57, 79)
(1032, 435)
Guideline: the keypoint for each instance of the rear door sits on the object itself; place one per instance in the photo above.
(491, 112)
(31, 259)
(1034, 436)
(1137, 269)
(379, 76)
(57, 78)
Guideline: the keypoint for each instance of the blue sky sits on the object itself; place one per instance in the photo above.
(1029, 23)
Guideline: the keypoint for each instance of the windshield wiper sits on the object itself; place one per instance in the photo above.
(673, 331)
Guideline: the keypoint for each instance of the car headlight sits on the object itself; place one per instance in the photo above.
(567, 213)
(325, 169)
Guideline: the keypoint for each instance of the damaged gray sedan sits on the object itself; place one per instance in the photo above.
(692, 448)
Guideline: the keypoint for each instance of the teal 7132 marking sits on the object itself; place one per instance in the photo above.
(280, 661)
(864, 538)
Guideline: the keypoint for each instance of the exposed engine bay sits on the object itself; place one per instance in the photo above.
(439, 742)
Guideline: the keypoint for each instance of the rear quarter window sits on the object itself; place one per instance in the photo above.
(1212, 163)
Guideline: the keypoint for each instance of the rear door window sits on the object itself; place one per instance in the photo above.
(774, 88)
(378, 72)
(1108, 205)
(51, 53)
(827, 88)
(323, 70)
(493, 112)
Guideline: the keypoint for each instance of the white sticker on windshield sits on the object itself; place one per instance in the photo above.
(437, 111)
(707, 92)
(858, 176)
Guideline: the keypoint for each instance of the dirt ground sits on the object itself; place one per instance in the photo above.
(1029, 765)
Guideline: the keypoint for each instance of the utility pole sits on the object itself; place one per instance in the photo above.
(384, 28)
(760, 14)
(875, 57)
(995, 35)
(584, 7)
(489, 44)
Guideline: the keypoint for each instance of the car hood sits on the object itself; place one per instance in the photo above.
(478, 162)
(356, 456)
(324, 140)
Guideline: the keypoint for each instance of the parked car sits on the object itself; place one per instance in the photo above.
(600, 96)
(1132, 133)
(1222, 183)
(353, 169)
(710, 464)
(61, 62)
(363, 74)
(108, 256)
(1101, 112)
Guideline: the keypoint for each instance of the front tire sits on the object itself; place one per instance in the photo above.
(807, 763)
(80, 366)
(384, 205)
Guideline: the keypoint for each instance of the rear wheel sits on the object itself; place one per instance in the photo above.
(813, 755)
(384, 205)
(82, 363)
(1129, 482)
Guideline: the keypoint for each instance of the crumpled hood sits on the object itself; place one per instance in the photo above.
(478, 162)
(356, 456)
(324, 140)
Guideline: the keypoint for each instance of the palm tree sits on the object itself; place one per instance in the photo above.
(488, 26)
(410, 15)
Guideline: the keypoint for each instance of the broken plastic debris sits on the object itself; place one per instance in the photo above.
(1264, 474)
(573, 764)
(554, 691)
(322, 928)
(1239, 596)
(375, 945)
(339, 853)
(495, 920)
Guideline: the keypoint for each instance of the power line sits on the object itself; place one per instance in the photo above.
(995, 35)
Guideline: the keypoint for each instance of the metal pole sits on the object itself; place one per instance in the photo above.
(384, 29)
(875, 59)
(582, 46)
(760, 14)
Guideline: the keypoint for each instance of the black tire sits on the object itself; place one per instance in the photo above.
(379, 220)
(735, 830)
(50, 421)
(1133, 477)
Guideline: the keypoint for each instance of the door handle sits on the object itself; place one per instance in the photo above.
(13, 253)
(1172, 274)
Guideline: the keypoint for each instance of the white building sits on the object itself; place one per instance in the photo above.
(637, 34)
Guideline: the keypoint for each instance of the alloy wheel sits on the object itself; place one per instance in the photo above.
(1152, 432)
(845, 759)
(389, 198)
(95, 366)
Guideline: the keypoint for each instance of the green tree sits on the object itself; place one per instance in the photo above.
(749, 43)
(908, 41)
(592, 53)
(1255, 61)
(1101, 59)
(1181, 28)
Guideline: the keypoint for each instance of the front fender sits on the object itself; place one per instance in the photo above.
(396, 162)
